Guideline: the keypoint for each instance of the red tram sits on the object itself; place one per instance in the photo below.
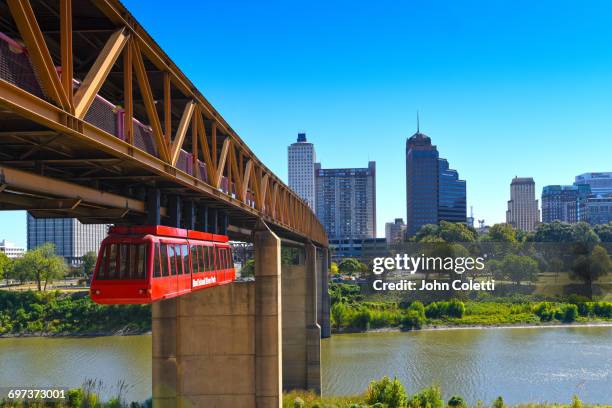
(149, 263)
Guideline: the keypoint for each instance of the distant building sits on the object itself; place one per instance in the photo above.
(72, 239)
(11, 250)
(523, 212)
(301, 162)
(600, 183)
(451, 194)
(434, 192)
(346, 201)
(560, 203)
(395, 231)
(599, 209)
(363, 249)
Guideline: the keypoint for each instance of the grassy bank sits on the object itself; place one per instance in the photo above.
(390, 393)
(58, 313)
(351, 311)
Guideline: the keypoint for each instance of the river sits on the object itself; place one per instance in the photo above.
(521, 364)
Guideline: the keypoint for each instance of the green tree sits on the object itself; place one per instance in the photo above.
(352, 266)
(5, 264)
(248, 269)
(518, 268)
(555, 231)
(339, 313)
(88, 265)
(501, 233)
(41, 265)
(604, 232)
(584, 237)
(590, 267)
(446, 231)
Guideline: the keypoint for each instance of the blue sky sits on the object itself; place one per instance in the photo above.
(504, 88)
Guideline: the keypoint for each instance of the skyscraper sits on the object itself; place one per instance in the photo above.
(434, 192)
(72, 239)
(301, 160)
(394, 231)
(560, 203)
(523, 212)
(346, 201)
(600, 183)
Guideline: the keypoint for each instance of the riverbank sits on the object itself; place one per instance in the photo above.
(60, 314)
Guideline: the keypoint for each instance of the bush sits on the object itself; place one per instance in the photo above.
(603, 309)
(498, 403)
(419, 308)
(412, 320)
(75, 398)
(567, 313)
(361, 319)
(452, 308)
(298, 403)
(388, 392)
(428, 398)
(455, 308)
(545, 311)
(457, 401)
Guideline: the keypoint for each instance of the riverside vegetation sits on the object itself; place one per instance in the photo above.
(390, 393)
(350, 311)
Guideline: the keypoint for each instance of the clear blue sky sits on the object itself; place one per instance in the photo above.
(504, 88)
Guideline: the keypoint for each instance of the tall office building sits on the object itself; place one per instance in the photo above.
(560, 203)
(346, 201)
(395, 231)
(598, 209)
(523, 212)
(600, 183)
(72, 239)
(434, 192)
(301, 160)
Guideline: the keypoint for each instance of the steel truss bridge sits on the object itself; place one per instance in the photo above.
(97, 123)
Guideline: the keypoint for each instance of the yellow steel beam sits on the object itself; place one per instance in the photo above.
(66, 48)
(97, 74)
(222, 160)
(37, 49)
(181, 132)
(245, 180)
(147, 96)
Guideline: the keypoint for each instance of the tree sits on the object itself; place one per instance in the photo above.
(517, 268)
(41, 265)
(604, 232)
(5, 264)
(447, 231)
(88, 265)
(501, 233)
(352, 266)
(555, 231)
(590, 267)
(584, 237)
(333, 269)
(248, 269)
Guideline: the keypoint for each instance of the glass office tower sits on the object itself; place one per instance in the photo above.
(451, 195)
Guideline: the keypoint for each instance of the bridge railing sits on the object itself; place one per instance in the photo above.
(216, 155)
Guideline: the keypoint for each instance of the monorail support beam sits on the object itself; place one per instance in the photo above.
(153, 206)
(174, 211)
(189, 215)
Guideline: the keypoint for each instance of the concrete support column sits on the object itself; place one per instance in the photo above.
(313, 330)
(204, 349)
(294, 291)
(325, 321)
(153, 206)
(174, 211)
(268, 334)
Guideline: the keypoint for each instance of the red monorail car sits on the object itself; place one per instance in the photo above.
(149, 263)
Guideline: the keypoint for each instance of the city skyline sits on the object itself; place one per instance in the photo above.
(504, 92)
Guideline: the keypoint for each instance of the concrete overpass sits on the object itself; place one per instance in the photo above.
(97, 123)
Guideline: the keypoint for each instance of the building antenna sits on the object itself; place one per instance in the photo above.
(418, 125)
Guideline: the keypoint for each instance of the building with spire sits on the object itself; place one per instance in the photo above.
(434, 191)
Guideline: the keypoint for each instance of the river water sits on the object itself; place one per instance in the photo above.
(521, 364)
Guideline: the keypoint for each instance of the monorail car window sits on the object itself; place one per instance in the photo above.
(163, 254)
(156, 262)
(111, 272)
(185, 259)
(194, 257)
(201, 258)
(103, 263)
(172, 260)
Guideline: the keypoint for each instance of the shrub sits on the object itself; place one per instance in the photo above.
(498, 403)
(412, 320)
(457, 401)
(75, 398)
(455, 308)
(418, 307)
(545, 311)
(603, 309)
(452, 308)
(388, 392)
(567, 313)
(576, 403)
(298, 403)
(428, 398)
(361, 319)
